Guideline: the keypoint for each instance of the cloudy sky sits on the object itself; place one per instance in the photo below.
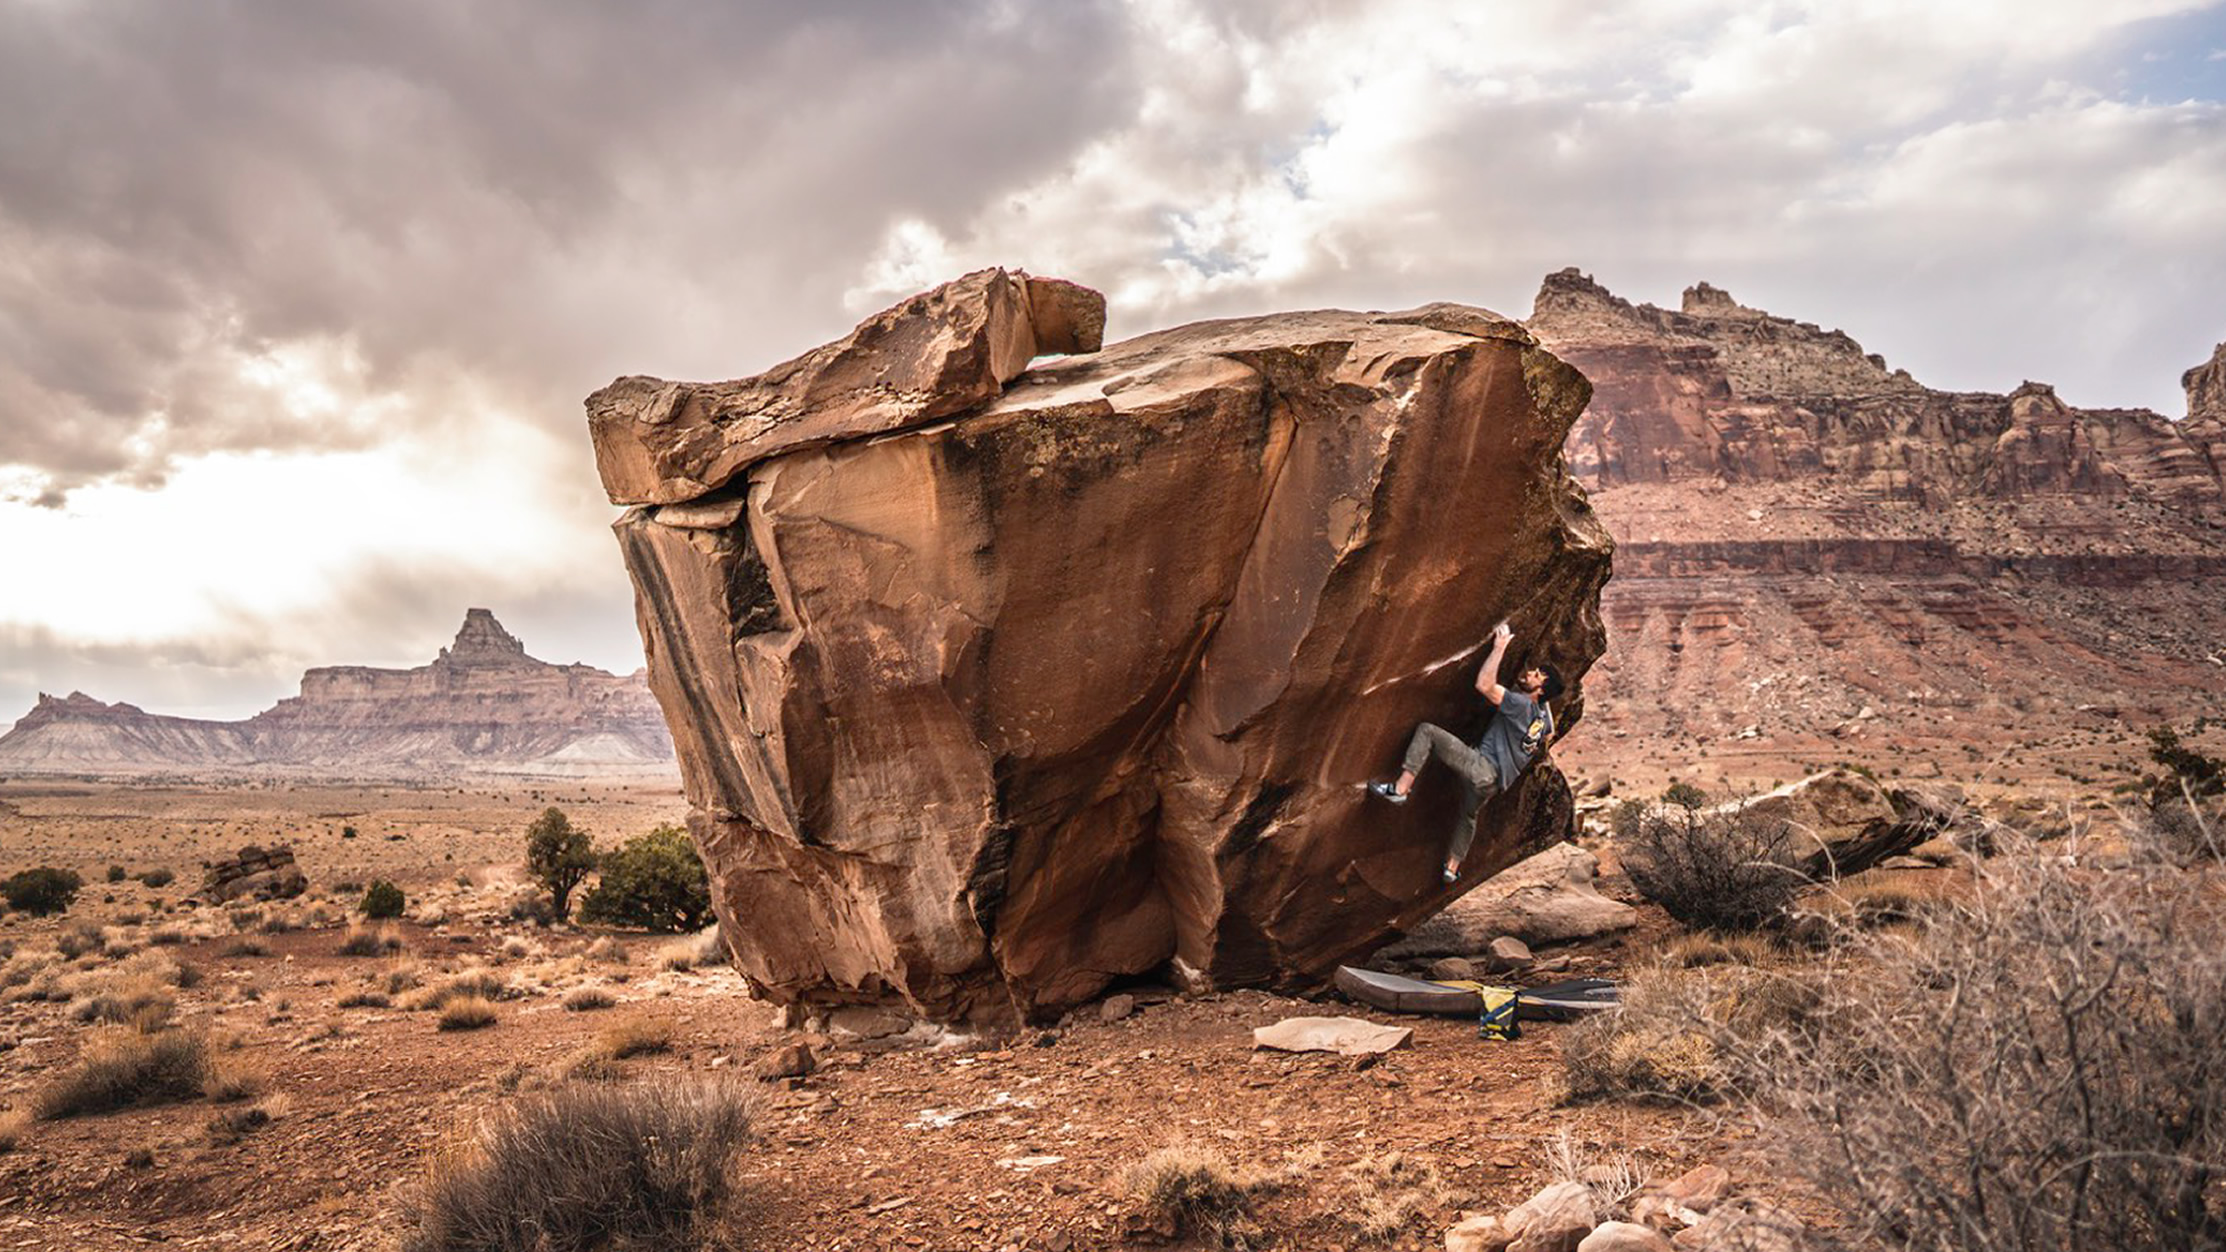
(299, 298)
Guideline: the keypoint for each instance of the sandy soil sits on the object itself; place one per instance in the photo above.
(1023, 1149)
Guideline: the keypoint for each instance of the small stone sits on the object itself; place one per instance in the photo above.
(1623, 1237)
(1698, 1189)
(1506, 954)
(794, 1061)
(1116, 1007)
(1453, 969)
(1482, 1233)
(1554, 1220)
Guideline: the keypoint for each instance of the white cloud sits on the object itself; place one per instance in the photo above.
(336, 278)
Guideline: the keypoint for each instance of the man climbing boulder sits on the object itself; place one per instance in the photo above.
(1518, 723)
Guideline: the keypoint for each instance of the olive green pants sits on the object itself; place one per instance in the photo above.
(1479, 781)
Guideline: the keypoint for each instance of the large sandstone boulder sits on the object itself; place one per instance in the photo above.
(1845, 823)
(994, 682)
(1550, 897)
(254, 873)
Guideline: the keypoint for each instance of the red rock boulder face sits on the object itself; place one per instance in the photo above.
(994, 683)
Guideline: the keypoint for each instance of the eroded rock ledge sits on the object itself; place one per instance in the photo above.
(994, 683)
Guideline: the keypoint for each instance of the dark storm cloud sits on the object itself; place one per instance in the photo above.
(540, 195)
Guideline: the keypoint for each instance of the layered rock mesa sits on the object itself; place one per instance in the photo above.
(994, 682)
(482, 706)
(1817, 548)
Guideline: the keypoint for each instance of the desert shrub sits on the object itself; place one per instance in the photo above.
(607, 949)
(21, 967)
(2035, 1069)
(1724, 869)
(369, 941)
(1684, 795)
(79, 938)
(137, 999)
(1186, 1189)
(2185, 828)
(167, 936)
(117, 873)
(382, 900)
(485, 984)
(233, 1078)
(1709, 948)
(588, 999)
(157, 878)
(1614, 1178)
(2187, 773)
(655, 881)
(245, 945)
(1871, 901)
(637, 1037)
(702, 948)
(1676, 1035)
(1624, 818)
(559, 857)
(42, 890)
(466, 1013)
(121, 1067)
(646, 1166)
(1391, 1190)
(231, 1125)
(366, 1000)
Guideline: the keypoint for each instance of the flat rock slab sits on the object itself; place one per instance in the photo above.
(1346, 1036)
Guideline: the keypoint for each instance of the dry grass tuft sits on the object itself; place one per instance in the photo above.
(701, 948)
(364, 940)
(589, 999)
(466, 1013)
(12, 1126)
(232, 1125)
(642, 1166)
(121, 1067)
(1668, 1039)
(1709, 948)
(1613, 1178)
(1394, 1189)
(135, 998)
(78, 938)
(235, 1077)
(245, 945)
(472, 984)
(1187, 1189)
(607, 950)
(365, 1000)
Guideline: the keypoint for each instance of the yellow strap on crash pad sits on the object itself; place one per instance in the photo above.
(1477, 987)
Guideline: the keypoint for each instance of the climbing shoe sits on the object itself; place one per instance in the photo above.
(1388, 791)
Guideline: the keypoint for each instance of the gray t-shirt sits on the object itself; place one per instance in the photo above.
(1512, 736)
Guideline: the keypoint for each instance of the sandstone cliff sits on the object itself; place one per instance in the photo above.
(994, 683)
(1820, 554)
(482, 706)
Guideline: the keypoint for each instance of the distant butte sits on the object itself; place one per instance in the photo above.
(482, 706)
(1817, 554)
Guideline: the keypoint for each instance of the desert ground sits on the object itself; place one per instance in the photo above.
(342, 1086)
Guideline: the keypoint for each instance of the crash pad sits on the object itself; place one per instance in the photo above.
(1555, 1002)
